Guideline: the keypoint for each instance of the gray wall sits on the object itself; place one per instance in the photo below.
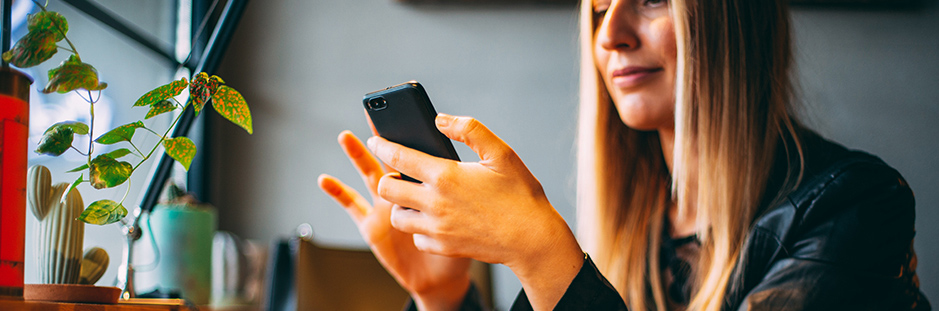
(870, 80)
(304, 65)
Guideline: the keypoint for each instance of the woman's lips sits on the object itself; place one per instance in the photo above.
(633, 76)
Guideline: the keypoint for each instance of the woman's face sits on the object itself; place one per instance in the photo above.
(635, 53)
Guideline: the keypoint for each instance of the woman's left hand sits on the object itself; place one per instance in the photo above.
(493, 210)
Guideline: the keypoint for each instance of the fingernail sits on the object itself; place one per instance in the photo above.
(442, 119)
(371, 143)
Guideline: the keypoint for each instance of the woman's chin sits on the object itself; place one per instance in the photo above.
(641, 127)
(646, 118)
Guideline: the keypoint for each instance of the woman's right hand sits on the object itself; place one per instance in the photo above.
(435, 282)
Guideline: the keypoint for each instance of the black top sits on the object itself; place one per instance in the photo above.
(842, 240)
(676, 259)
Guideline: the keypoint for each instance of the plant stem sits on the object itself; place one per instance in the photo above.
(151, 131)
(162, 138)
(125, 192)
(79, 151)
(135, 148)
(87, 100)
(91, 129)
(74, 50)
(66, 49)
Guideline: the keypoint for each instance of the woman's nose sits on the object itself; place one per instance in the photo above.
(617, 29)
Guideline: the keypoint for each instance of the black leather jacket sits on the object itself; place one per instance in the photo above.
(842, 240)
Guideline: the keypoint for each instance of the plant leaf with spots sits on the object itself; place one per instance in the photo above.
(103, 212)
(181, 149)
(50, 22)
(232, 106)
(162, 93)
(160, 108)
(121, 133)
(32, 49)
(84, 166)
(202, 88)
(117, 154)
(77, 127)
(71, 75)
(56, 141)
(106, 172)
(74, 184)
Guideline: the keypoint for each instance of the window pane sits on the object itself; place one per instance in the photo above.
(130, 71)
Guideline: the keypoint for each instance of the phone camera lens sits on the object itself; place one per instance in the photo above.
(377, 103)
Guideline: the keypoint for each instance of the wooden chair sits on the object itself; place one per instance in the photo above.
(306, 276)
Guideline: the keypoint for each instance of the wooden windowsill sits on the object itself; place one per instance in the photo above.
(14, 305)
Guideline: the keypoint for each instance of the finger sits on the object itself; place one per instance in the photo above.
(363, 160)
(409, 220)
(427, 244)
(475, 135)
(348, 198)
(419, 165)
(370, 124)
(405, 193)
(375, 133)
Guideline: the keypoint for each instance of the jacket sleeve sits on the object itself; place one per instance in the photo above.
(589, 290)
(849, 248)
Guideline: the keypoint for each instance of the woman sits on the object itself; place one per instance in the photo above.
(697, 188)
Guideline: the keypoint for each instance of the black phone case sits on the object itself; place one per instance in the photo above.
(408, 119)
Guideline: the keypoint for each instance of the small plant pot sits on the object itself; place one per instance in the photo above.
(183, 234)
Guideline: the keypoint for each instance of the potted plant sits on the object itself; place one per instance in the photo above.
(56, 205)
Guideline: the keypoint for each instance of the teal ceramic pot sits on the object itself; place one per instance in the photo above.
(183, 234)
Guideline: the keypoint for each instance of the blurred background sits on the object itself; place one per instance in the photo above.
(868, 76)
(869, 79)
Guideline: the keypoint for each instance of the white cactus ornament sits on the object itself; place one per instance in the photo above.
(61, 234)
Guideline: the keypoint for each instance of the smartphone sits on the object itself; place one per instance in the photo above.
(403, 114)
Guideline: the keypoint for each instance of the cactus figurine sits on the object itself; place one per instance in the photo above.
(61, 234)
(94, 263)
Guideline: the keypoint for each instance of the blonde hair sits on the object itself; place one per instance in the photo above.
(732, 108)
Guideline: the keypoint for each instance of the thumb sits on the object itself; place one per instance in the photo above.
(477, 136)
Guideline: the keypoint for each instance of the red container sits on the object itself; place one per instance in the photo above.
(14, 132)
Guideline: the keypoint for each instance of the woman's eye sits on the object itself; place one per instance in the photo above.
(654, 3)
(600, 11)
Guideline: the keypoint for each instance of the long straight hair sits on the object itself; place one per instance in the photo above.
(732, 108)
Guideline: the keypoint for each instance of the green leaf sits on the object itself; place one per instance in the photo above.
(160, 108)
(232, 106)
(77, 127)
(56, 141)
(116, 154)
(162, 93)
(71, 75)
(84, 166)
(74, 184)
(103, 212)
(32, 49)
(181, 149)
(202, 88)
(106, 172)
(58, 137)
(48, 21)
(121, 133)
